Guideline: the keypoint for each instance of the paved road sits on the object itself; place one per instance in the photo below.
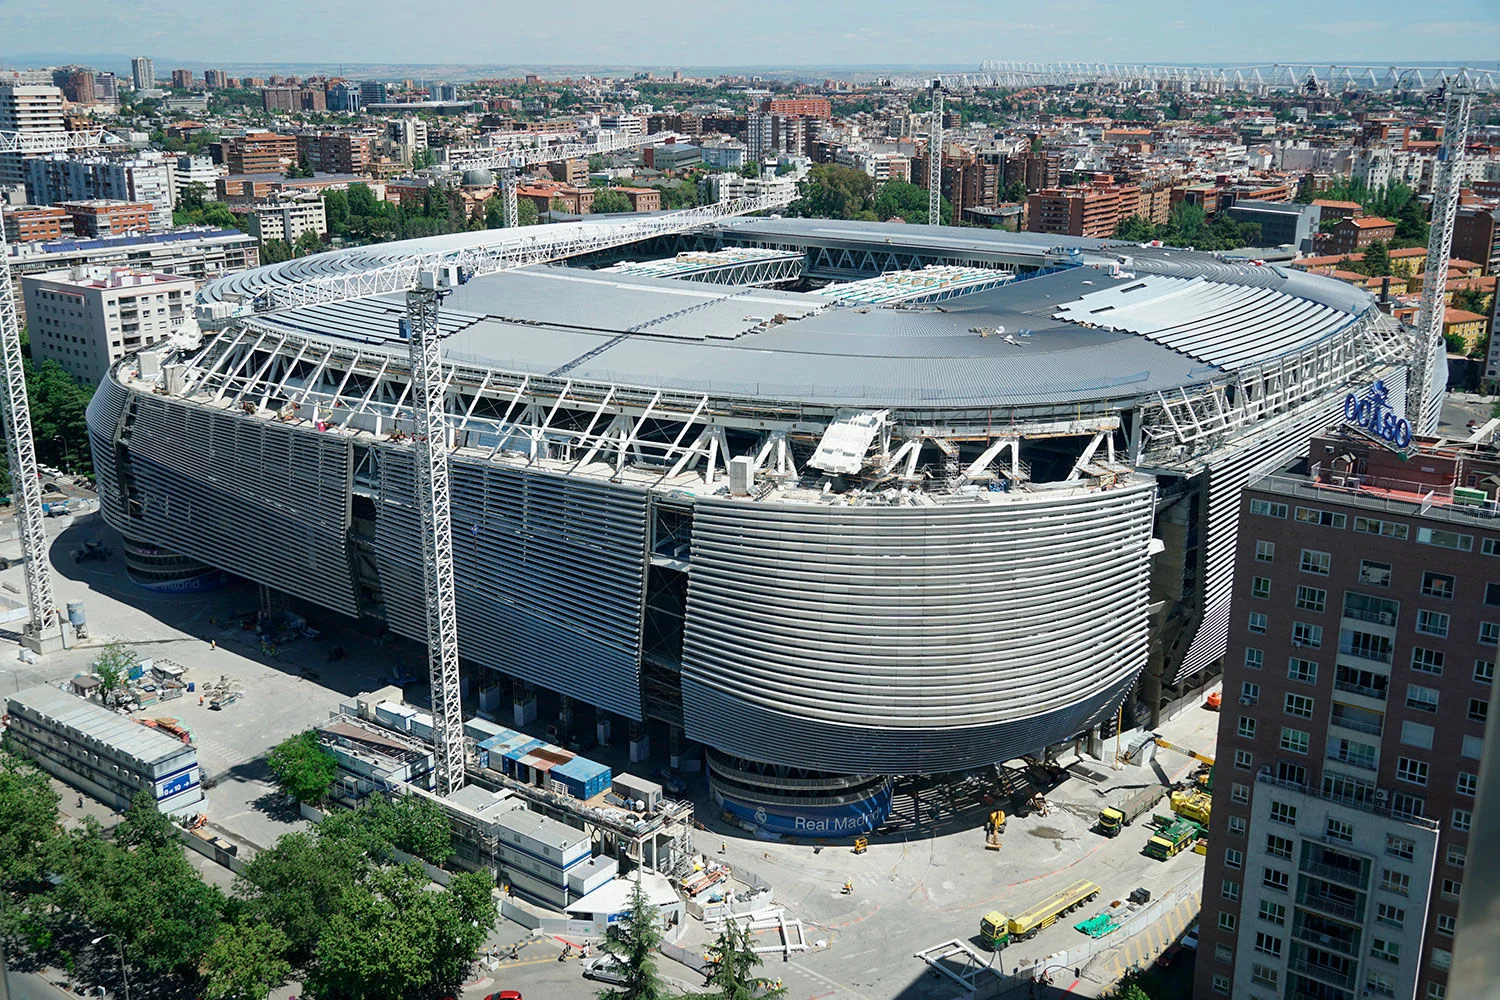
(30, 986)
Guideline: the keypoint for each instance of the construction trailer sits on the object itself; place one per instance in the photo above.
(1113, 819)
(1044, 914)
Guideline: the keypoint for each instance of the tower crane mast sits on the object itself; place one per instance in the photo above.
(1424, 391)
(44, 626)
(935, 158)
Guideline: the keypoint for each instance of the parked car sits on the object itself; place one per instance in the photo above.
(1190, 939)
(1166, 958)
(605, 968)
(505, 995)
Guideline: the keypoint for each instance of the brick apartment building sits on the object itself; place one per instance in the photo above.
(1476, 236)
(1075, 211)
(182, 79)
(1364, 630)
(804, 107)
(1350, 235)
(102, 217)
(335, 152)
(36, 223)
(259, 153)
(273, 99)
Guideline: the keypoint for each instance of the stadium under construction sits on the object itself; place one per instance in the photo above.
(837, 501)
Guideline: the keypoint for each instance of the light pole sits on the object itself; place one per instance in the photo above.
(124, 973)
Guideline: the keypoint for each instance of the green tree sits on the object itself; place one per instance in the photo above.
(419, 826)
(113, 668)
(750, 169)
(609, 202)
(494, 212)
(300, 883)
(307, 243)
(336, 210)
(1377, 259)
(898, 199)
(1015, 191)
(145, 826)
(526, 213)
(1456, 343)
(28, 824)
(596, 163)
(733, 974)
(1470, 300)
(302, 768)
(192, 197)
(275, 251)
(834, 192)
(1136, 230)
(246, 961)
(633, 939)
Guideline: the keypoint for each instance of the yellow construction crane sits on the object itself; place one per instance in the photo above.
(1205, 774)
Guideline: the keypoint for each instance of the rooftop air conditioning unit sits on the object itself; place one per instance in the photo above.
(1381, 795)
(1386, 618)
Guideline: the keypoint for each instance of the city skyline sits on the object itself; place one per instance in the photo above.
(782, 34)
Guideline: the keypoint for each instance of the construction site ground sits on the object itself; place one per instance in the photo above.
(920, 884)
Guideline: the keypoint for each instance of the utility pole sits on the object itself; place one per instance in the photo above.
(434, 504)
(935, 158)
(1429, 368)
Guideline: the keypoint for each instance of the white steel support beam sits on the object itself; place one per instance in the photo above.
(935, 158)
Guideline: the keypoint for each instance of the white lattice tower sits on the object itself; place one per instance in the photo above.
(508, 185)
(434, 504)
(935, 159)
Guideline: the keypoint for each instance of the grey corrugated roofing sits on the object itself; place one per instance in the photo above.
(130, 738)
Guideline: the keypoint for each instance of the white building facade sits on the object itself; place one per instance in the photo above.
(87, 319)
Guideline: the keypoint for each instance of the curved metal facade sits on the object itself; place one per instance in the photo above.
(913, 639)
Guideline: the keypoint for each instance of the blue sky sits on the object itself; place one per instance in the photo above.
(755, 32)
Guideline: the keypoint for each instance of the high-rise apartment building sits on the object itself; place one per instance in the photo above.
(143, 73)
(106, 88)
(214, 79)
(26, 108)
(1364, 629)
(182, 79)
(334, 152)
(87, 319)
(1076, 211)
(274, 99)
(145, 178)
(260, 153)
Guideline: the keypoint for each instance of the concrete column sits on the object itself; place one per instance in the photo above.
(565, 721)
(640, 742)
(602, 730)
(675, 742)
(524, 710)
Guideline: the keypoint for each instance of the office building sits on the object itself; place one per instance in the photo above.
(1100, 507)
(371, 92)
(26, 108)
(87, 319)
(143, 73)
(107, 755)
(443, 92)
(1281, 223)
(343, 96)
(288, 220)
(1364, 627)
(106, 88)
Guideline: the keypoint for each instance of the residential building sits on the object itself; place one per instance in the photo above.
(1469, 327)
(1078, 211)
(189, 169)
(409, 132)
(728, 155)
(214, 79)
(88, 318)
(1476, 236)
(312, 99)
(27, 224)
(287, 220)
(575, 200)
(146, 178)
(1354, 234)
(804, 107)
(98, 751)
(335, 152)
(1282, 223)
(78, 86)
(106, 88)
(260, 153)
(182, 79)
(143, 73)
(631, 124)
(1330, 209)
(726, 187)
(443, 92)
(275, 99)
(641, 199)
(95, 217)
(673, 156)
(26, 108)
(573, 173)
(1365, 621)
(371, 92)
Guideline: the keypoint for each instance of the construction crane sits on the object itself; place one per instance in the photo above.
(1205, 774)
(44, 628)
(935, 158)
(1424, 389)
(427, 280)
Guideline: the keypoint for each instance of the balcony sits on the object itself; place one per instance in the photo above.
(1358, 725)
(1359, 689)
(1359, 760)
(1386, 618)
(1344, 946)
(1322, 973)
(1365, 653)
(1332, 907)
(1334, 873)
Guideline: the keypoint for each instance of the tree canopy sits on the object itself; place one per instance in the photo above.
(608, 201)
(633, 939)
(302, 768)
(1188, 227)
(835, 192)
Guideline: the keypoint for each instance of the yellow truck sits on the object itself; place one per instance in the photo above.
(1041, 916)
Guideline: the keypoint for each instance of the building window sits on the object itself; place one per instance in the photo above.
(1268, 944)
(1437, 991)
(1294, 740)
(1338, 829)
(1437, 585)
(1221, 982)
(1386, 951)
(1239, 793)
(1422, 699)
(1452, 888)
(1390, 915)
(1400, 847)
(1414, 771)
(1272, 912)
(1381, 984)
(1249, 692)
(1312, 598)
(1257, 622)
(1254, 658)
(1315, 562)
(1302, 670)
(1266, 508)
(1260, 587)
(1304, 634)
(1376, 574)
(1244, 759)
(1432, 623)
(1233, 858)
(1247, 727)
(1468, 783)
(1275, 878)
(1442, 959)
(1408, 806)
(1299, 705)
(1446, 924)
(1265, 551)
(1236, 826)
(1489, 633)
(1491, 547)
(1457, 855)
(1263, 975)
(1462, 820)
(1472, 748)
(1445, 539)
(1479, 710)
(1484, 671)
(1322, 518)
(1223, 954)
(1394, 881)
(1230, 890)
(1426, 661)
(1492, 594)
(1296, 774)
(1389, 529)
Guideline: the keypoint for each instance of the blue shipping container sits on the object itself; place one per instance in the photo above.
(515, 753)
(583, 778)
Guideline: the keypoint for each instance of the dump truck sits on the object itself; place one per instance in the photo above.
(1113, 819)
(1025, 925)
(1172, 838)
(1193, 805)
(994, 930)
